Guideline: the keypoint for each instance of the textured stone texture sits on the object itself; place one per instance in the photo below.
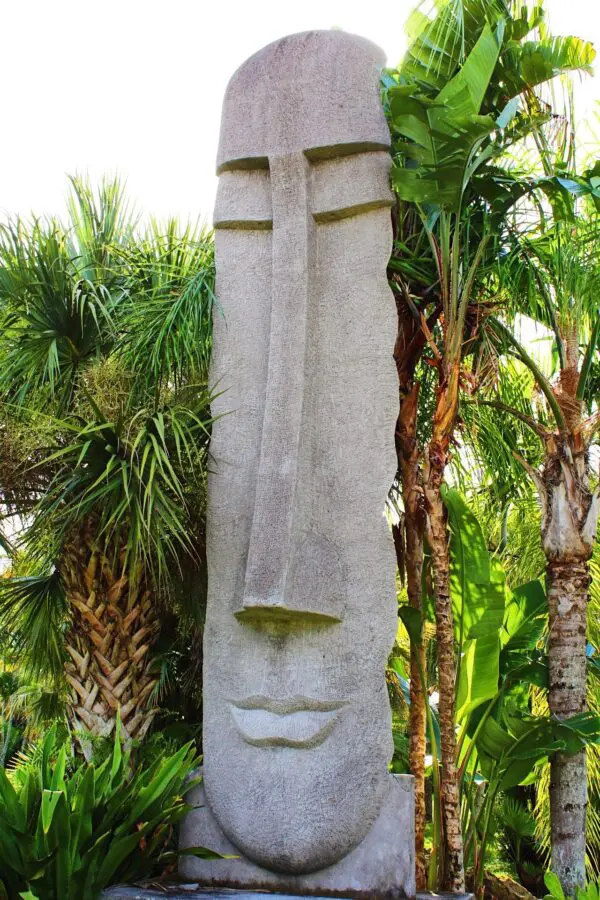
(379, 868)
(193, 892)
(301, 609)
(313, 93)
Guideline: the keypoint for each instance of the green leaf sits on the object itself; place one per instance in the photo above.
(63, 866)
(590, 354)
(412, 620)
(553, 884)
(493, 740)
(204, 853)
(543, 60)
(465, 92)
(438, 138)
(50, 801)
(519, 772)
(477, 587)
(11, 849)
(151, 792)
(525, 617)
(117, 755)
(55, 851)
(82, 805)
(58, 775)
(479, 674)
(118, 850)
(10, 805)
(508, 113)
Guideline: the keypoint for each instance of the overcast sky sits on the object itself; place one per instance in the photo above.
(135, 87)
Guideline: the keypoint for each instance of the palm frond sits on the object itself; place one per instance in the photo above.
(34, 616)
(39, 705)
(101, 223)
(59, 293)
(132, 479)
(166, 327)
(516, 817)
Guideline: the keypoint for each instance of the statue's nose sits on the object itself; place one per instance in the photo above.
(277, 524)
(313, 591)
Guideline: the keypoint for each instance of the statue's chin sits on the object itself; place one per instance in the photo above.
(295, 853)
(305, 814)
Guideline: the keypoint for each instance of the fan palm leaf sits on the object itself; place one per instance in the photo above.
(165, 329)
(59, 293)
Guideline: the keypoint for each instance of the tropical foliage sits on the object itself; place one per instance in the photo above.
(469, 98)
(105, 426)
(66, 835)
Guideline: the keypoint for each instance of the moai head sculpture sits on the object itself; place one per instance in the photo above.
(301, 609)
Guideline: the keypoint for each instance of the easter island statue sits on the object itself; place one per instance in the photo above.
(301, 612)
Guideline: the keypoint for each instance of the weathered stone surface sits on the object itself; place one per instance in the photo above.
(193, 893)
(301, 609)
(379, 868)
(314, 93)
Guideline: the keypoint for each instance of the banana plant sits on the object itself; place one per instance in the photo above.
(499, 636)
(439, 143)
(501, 744)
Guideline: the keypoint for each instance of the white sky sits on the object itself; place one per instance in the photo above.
(135, 87)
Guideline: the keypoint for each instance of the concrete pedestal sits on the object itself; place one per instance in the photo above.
(193, 892)
(132, 893)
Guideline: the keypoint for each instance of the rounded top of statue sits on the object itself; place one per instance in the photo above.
(315, 92)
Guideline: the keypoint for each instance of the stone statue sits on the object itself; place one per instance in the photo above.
(302, 612)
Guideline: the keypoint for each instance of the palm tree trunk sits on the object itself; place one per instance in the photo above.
(444, 424)
(437, 536)
(568, 584)
(414, 524)
(569, 523)
(114, 626)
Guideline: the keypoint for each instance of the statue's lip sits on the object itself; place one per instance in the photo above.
(298, 722)
(284, 706)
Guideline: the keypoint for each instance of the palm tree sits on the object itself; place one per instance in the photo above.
(553, 275)
(105, 425)
(459, 100)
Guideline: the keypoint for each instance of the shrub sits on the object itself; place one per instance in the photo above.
(68, 834)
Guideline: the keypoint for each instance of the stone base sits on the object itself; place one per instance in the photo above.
(382, 867)
(181, 893)
(193, 892)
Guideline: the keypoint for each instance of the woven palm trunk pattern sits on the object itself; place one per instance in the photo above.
(114, 627)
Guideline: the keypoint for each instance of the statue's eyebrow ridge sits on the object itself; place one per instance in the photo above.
(244, 164)
(346, 212)
(351, 149)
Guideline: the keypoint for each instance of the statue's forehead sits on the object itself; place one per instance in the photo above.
(313, 92)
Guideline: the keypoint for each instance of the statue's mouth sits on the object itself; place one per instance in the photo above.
(299, 722)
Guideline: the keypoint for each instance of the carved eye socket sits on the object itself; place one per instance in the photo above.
(244, 200)
(340, 187)
(350, 185)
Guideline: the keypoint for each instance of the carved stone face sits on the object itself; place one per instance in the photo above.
(301, 610)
